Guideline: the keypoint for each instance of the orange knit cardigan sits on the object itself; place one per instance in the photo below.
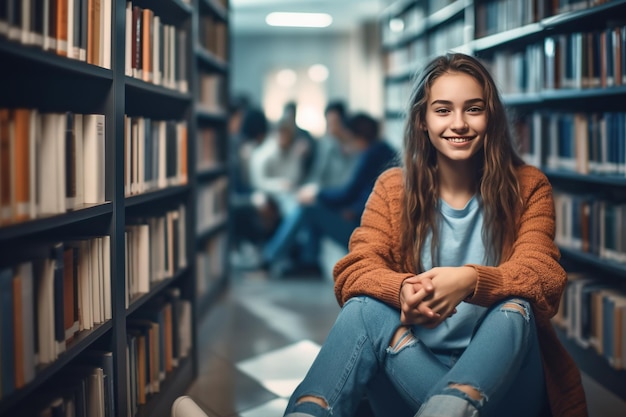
(373, 267)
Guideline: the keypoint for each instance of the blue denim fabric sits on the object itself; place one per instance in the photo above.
(502, 361)
(318, 220)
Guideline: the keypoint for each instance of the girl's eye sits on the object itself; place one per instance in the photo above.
(475, 109)
(441, 111)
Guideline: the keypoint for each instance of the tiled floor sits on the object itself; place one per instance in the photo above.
(257, 342)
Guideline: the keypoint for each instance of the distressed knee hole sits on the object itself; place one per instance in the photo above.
(312, 399)
(472, 392)
(513, 305)
(401, 338)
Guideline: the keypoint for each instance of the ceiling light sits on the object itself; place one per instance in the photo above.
(318, 73)
(309, 20)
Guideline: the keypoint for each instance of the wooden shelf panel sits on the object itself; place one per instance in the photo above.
(600, 265)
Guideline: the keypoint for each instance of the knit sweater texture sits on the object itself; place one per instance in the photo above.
(373, 267)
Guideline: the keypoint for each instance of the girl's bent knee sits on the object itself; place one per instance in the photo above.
(517, 305)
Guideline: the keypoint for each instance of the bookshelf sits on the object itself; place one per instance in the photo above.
(561, 68)
(100, 177)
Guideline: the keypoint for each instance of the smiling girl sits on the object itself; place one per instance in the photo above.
(452, 276)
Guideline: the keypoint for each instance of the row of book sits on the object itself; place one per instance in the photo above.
(156, 52)
(495, 16)
(158, 339)
(78, 29)
(155, 154)
(590, 224)
(209, 153)
(155, 250)
(575, 60)
(587, 143)
(593, 314)
(46, 300)
(87, 389)
(212, 92)
(212, 204)
(213, 36)
(210, 263)
(49, 162)
(407, 59)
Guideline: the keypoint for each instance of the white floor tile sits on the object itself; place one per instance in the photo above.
(281, 370)
(271, 409)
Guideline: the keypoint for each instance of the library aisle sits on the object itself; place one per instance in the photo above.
(259, 338)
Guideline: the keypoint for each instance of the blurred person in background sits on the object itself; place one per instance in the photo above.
(255, 217)
(333, 211)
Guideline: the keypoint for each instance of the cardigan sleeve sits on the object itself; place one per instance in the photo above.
(371, 266)
(532, 271)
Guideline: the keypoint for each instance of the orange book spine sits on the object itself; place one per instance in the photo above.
(61, 27)
(21, 176)
(146, 41)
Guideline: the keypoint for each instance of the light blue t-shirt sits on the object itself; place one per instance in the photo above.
(460, 243)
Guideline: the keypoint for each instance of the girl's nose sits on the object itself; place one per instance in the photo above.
(459, 123)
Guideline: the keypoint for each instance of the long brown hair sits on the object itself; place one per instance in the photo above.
(497, 179)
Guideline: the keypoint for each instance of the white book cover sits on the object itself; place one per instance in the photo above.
(172, 58)
(141, 155)
(106, 264)
(143, 258)
(34, 132)
(127, 155)
(48, 188)
(45, 312)
(60, 171)
(162, 154)
(182, 224)
(79, 162)
(128, 68)
(26, 29)
(94, 158)
(96, 279)
(72, 51)
(106, 33)
(166, 56)
(99, 244)
(156, 50)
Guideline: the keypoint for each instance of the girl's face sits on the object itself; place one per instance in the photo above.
(456, 116)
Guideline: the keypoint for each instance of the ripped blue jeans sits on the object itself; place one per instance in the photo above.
(502, 363)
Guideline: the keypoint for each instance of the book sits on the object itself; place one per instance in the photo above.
(6, 182)
(7, 331)
(94, 157)
(21, 171)
(24, 272)
(106, 28)
(147, 20)
(61, 34)
(70, 290)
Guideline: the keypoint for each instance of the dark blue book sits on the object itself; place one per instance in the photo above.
(7, 333)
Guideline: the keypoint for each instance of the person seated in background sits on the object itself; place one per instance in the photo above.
(333, 211)
(334, 159)
(332, 166)
(290, 113)
(277, 166)
(254, 217)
